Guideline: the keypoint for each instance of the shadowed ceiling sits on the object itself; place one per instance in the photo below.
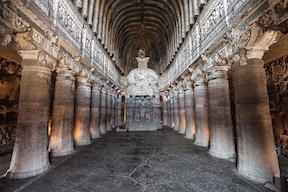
(124, 26)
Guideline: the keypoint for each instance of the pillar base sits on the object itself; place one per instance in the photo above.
(221, 156)
(62, 153)
(15, 175)
(192, 137)
(254, 178)
(81, 143)
(201, 144)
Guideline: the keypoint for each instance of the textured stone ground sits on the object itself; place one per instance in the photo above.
(137, 161)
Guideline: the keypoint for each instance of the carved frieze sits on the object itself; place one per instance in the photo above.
(12, 20)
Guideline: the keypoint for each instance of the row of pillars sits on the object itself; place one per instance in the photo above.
(83, 109)
(200, 108)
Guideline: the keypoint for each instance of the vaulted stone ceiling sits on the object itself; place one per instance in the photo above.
(124, 26)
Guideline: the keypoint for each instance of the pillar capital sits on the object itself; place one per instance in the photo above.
(198, 76)
(37, 58)
(260, 42)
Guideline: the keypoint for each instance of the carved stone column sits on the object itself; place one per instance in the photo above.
(257, 157)
(168, 107)
(30, 153)
(201, 111)
(189, 110)
(113, 109)
(182, 116)
(164, 109)
(221, 128)
(95, 108)
(103, 111)
(82, 109)
(176, 109)
(171, 109)
(61, 137)
(119, 109)
(108, 110)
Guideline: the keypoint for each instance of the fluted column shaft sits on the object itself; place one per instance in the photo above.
(201, 113)
(82, 111)
(61, 137)
(221, 128)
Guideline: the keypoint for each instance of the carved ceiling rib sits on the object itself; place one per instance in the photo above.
(125, 26)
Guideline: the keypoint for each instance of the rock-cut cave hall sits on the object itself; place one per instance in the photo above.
(143, 95)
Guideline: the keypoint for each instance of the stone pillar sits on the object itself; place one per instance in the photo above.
(257, 157)
(82, 109)
(119, 109)
(201, 111)
(168, 106)
(182, 116)
(113, 109)
(171, 109)
(61, 136)
(221, 128)
(164, 109)
(108, 110)
(30, 153)
(103, 111)
(176, 110)
(95, 109)
(189, 110)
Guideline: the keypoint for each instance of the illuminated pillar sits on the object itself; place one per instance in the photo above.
(61, 137)
(168, 107)
(171, 109)
(201, 111)
(175, 110)
(95, 109)
(257, 157)
(108, 110)
(182, 116)
(103, 111)
(189, 110)
(113, 109)
(164, 109)
(221, 128)
(30, 153)
(82, 109)
(119, 109)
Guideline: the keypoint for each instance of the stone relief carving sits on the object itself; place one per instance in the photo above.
(260, 41)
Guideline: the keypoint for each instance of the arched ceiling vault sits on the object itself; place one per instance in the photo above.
(124, 26)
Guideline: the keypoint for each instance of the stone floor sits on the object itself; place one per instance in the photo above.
(136, 161)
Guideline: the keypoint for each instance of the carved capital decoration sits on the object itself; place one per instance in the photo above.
(260, 42)
(276, 18)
